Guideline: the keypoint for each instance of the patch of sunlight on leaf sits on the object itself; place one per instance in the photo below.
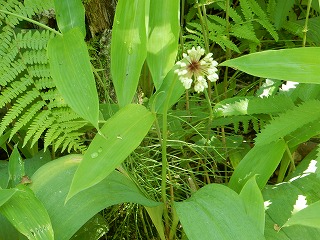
(267, 204)
(312, 168)
(301, 203)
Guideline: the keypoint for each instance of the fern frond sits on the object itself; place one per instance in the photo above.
(59, 132)
(232, 13)
(246, 10)
(39, 71)
(35, 57)
(25, 118)
(38, 126)
(294, 28)
(35, 40)
(68, 130)
(9, 93)
(254, 105)
(243, 31)
(290, 121)
(44, 83)
(27, 88)
(14, 112)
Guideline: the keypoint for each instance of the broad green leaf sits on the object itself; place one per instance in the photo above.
(27, 214)
(10, 232)
(281, 199)
(31, 165)
(163, 39)
(128, 47)
(51, 184)
(261, 161)
(122, 133)
(69, 15)
(168, 94)
(4, 174)
(288, 122)
(309, 216)
(94, 229)
(5, 195)
(296, 64)
(253, 203)
(15, 168)
(216, 212)
(155, 213)
(71, 70)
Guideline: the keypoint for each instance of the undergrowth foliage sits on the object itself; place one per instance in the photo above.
(178, 164)
(241, 26)
(32, 103)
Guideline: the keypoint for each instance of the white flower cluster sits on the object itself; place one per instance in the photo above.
(195, 67)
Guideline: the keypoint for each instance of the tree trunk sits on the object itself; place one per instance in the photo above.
(99, 15)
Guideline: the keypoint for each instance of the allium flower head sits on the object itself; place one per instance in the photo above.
(194, 67)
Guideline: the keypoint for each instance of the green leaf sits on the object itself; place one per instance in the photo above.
(122, 133)
(253, 203)
(216, 212)
(5, 195)
(31, 165)
(69, 15)
(128, 47)
(16, 168)
(296, 64)
(309, 216)
(27, 214)
(10, 232)
(155, 213)
(51, 184)
(71, 70)
(290, 121)
(281, 199)
(94, 229)
(163, 39)
(281, 12)
(261, 161)
(4, 174)
(168, 94)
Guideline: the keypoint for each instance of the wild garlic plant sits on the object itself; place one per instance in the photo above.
(196, 69)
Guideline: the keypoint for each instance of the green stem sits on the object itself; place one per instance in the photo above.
(210, 114)
(305, 28)
(205, 34)
(175, 221)
(32, 21)
(164, 170)
(228, 51)
(292, 167)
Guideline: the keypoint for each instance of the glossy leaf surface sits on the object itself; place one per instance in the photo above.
(70, 14)
(28, 215)
(297, 64)
(163, 38)
(122, 133)
(260, 160)
(282, 198)
(71, 70)
(128, 47)
(51, 184)
(253, 203)
(216, 212)
(168, 94)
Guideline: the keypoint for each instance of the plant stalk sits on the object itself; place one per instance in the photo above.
(164, 170)
(305, 28)
(32, 21)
